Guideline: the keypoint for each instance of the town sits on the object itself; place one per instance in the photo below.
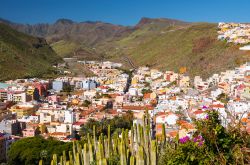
(59, 107)
(237, 33)
(107, 82)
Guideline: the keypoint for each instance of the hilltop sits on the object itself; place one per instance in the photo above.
(22, 55)
(160, 43)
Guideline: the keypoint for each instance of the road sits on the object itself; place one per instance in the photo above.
(127, 59)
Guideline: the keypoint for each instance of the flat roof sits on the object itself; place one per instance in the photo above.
(4, 85)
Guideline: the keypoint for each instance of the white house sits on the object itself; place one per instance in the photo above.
(69, 116)
(169, 118)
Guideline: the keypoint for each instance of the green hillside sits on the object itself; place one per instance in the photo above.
(24, 56)
(64, 48)
(161, 43)
(169, 47)
(75, 49)
(194, 46)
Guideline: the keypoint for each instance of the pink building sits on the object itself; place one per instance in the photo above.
(53, 98)
(42, 88)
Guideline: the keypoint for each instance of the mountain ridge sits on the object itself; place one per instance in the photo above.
(159, 42)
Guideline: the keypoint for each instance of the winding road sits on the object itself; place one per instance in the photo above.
(127, 59)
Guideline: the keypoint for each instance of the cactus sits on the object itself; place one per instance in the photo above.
(86, 155)
(132, 160)
(41, 162)
(91, 153)
(77, 159)
(88, 137)
(115, 146)
(100, 149)
(153, 153)
(64, 158)
(94, 138)
(74, 151)
(102, 162)
(136, 138)
(98, 156)
(105, 146)
(128, 154)
(137, 149)
(54, 160)
(109, 143)
(132, 140)
(122, 153)
(70, 158)
(141, 135)
(61, 160)
(163, 134)
(147, 143)
(140, 156)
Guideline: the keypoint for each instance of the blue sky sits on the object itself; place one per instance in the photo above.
(124, 12)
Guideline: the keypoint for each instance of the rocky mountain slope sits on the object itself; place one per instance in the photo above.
(69, 38)
(160, 43)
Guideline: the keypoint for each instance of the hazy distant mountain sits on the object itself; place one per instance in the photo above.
(88, 32)
(84, 35)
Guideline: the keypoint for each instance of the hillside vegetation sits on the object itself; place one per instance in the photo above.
(160, 43)
(24, 56)
(194, 46)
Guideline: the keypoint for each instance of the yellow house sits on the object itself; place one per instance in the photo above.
(75, 101)
(30, 91)
(184, 81)
(134, 80)
(23, 110)
(109, 82)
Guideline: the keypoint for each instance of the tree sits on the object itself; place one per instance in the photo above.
(211, 144)
(67, 88)
(37, 131)
(29, 151)
(86, 103)
(116, 124)
(223, 98)
(144, 91)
